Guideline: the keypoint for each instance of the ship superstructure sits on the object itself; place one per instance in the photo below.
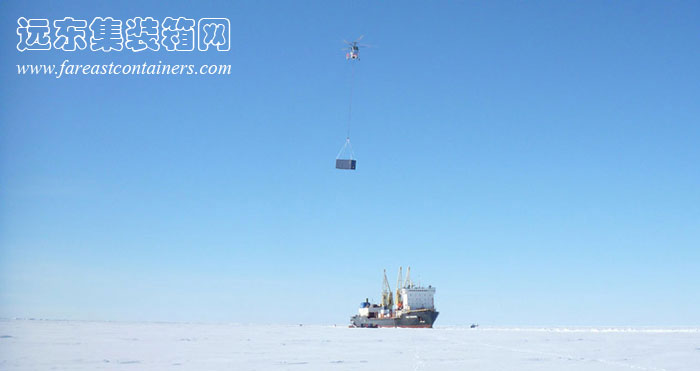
(410, 306)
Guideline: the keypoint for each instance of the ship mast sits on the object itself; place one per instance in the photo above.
(387, 297)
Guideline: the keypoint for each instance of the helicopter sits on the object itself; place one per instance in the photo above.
(353, 49)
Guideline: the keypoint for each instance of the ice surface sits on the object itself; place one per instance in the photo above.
(75, 345)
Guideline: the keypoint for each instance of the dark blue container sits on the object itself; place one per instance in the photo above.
(345, 164)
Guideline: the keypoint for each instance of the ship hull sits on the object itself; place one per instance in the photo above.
(416, 319)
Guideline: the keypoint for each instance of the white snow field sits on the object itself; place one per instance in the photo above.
(76, 345)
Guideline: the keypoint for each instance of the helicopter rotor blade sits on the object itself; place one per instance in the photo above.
(359, 38)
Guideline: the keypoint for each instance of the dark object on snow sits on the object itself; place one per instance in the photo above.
(474, 325)
(345, 164)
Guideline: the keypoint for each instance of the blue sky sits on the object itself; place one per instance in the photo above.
(537, 162)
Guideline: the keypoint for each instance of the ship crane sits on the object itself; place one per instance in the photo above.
(399, 285)
(407, 284)
(387, 297)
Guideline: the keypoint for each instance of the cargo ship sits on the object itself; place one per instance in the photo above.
(411, 306)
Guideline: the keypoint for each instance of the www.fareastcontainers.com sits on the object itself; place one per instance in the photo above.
(145, 69)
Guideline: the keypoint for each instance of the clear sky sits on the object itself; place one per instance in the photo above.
(537, 162)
